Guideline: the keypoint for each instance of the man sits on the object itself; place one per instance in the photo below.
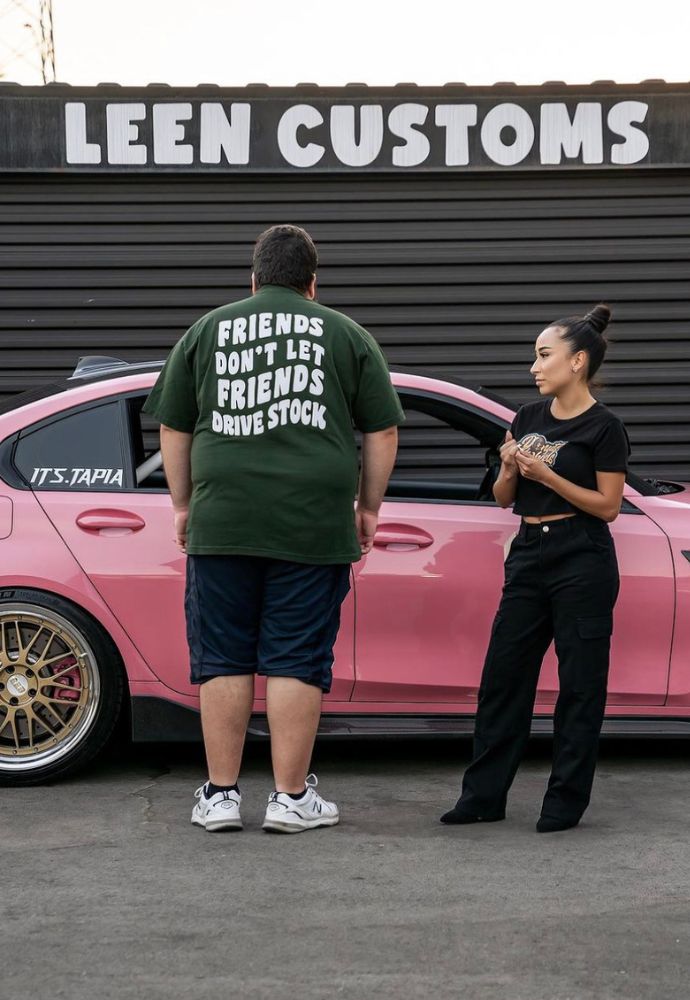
(257, 404)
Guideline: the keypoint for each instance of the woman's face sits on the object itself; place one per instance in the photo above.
(556, 367)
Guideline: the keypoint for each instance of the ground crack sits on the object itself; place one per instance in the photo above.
(144, 794)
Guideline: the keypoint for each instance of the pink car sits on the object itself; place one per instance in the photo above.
(91, 582)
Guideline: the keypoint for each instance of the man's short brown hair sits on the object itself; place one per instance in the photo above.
(285, 255)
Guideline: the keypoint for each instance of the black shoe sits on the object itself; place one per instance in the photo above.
(457, 816)
(550, 824)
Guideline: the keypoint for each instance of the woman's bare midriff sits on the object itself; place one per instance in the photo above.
(549, 517)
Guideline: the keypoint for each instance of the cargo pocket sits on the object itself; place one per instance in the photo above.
(595, 628)
(590, 672)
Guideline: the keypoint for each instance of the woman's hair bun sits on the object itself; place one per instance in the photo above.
(599, 317)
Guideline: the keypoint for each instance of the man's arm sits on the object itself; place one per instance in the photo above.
(176, 449)
(378, 458)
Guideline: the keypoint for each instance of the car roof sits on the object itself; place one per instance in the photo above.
(90, 368)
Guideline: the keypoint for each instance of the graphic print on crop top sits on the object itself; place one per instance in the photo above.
(537, 446)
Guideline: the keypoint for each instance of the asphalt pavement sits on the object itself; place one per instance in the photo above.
(110, 892)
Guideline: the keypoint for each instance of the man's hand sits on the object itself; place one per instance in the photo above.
(365, 524)
(508, 453)
(378, 457)
(176, 449)
(533, 468)
(181, 516)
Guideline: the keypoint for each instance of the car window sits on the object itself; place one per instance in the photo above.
(445, 452)
(145, 441)
(79, 451)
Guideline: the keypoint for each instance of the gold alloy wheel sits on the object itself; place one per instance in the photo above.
(49, 686)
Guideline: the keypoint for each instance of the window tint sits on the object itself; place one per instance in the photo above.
(443, 453)
(145, 435)
(81, 451)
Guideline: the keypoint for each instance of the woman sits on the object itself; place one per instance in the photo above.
(563, 466)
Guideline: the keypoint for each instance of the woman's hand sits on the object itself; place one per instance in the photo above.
(532, 468)
(508, 453)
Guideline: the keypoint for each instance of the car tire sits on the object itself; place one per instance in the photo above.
(61, 687)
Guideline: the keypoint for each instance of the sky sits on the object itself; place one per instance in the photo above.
(231, 43)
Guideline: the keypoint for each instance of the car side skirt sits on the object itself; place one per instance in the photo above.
(155, 720)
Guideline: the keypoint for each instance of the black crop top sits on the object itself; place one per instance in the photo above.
(576, 449)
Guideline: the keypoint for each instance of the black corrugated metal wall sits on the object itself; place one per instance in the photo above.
(455, 275)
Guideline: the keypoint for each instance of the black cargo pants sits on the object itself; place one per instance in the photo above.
(561, 582)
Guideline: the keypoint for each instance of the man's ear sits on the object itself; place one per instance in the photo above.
(311, 290)
(254, 285)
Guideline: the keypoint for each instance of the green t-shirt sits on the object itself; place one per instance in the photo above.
(271, 387)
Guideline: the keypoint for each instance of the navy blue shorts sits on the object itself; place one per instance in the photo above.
(249, 615)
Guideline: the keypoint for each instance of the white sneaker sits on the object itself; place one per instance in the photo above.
(220, 812)
(287, 815)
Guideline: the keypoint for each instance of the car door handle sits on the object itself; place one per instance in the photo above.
(101, 520)
(394, 535)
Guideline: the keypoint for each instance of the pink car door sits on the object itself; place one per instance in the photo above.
(426, 597)
(84, 470)
(643, 617)
(427, 593)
